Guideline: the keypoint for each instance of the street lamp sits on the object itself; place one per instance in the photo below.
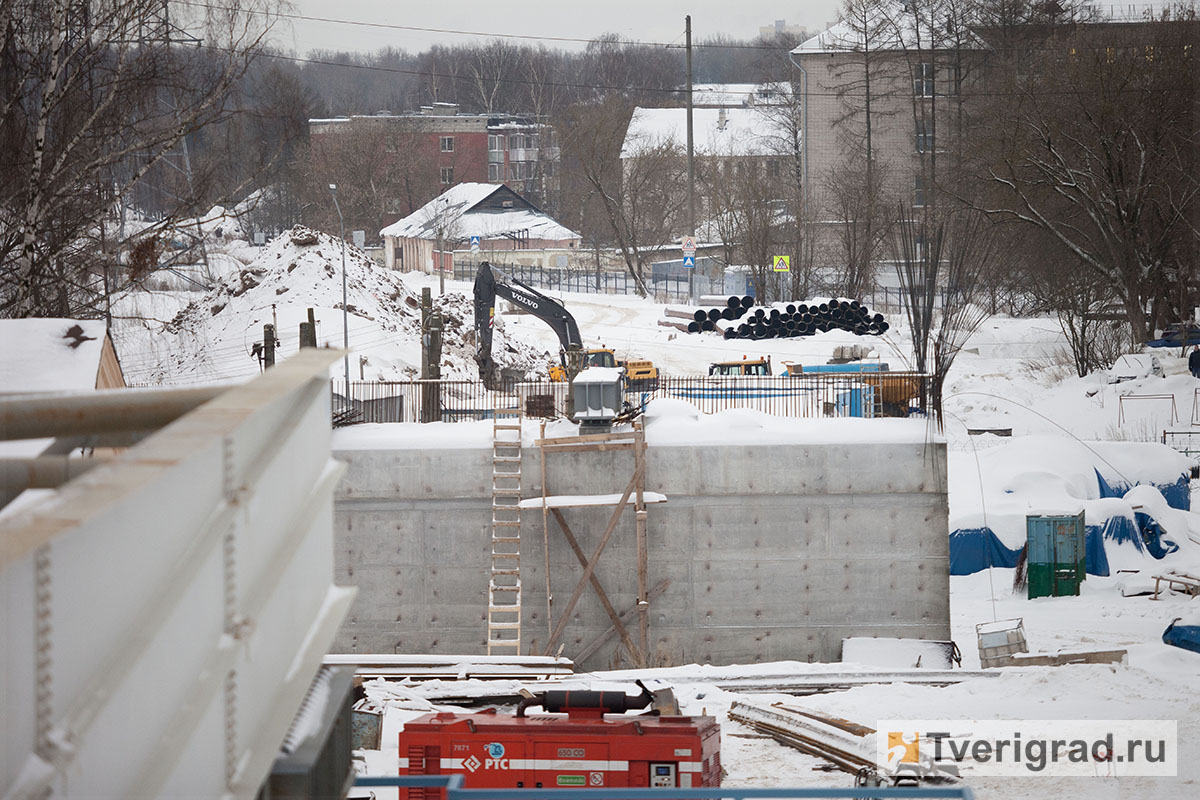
(345, 313)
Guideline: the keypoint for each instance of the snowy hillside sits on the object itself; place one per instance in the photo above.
(210, 338)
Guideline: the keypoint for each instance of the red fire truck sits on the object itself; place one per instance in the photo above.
(584, 749)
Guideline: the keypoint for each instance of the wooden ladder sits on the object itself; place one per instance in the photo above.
(504, 583)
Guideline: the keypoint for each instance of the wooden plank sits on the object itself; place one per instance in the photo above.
(589, 437)
(626, 616)
(599, 446)
(591, 566)
(546, 532)
(604, 601)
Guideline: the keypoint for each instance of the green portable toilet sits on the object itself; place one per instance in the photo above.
(1055, 555)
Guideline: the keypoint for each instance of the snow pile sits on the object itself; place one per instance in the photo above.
(993, 491)
(211, 338)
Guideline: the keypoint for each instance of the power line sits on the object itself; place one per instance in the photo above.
(488, 34)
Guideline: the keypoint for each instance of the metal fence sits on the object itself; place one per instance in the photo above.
(889, 394)
(662, 288)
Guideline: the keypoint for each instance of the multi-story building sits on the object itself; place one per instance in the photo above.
(440, 147)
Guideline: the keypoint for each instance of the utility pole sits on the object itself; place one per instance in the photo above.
(441, 267)
(308, 331)
(430, 366)
(268, 346)
(345, 313)
(691, 158)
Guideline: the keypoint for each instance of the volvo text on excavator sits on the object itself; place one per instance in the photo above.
(490, 283)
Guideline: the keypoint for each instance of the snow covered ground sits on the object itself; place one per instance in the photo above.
(1013, 374)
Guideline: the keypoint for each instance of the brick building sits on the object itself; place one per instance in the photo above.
(439, 147)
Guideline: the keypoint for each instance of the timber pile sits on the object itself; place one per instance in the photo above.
(739, 319)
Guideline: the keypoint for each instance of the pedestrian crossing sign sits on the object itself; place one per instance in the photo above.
(782, 263)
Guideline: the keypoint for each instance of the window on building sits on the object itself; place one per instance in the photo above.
(495, 143)
(775, 167)
(924, 136)
(923, 80)
(447, 144)
(494, 173)
(515, 141)
(447, 175)
(919, 192)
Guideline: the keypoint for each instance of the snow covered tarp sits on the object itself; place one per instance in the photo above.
(995, 490)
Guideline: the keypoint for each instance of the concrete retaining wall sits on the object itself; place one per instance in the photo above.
(773, 552)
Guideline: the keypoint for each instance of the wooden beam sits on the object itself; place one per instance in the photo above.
(589, 437)
(640, 506)
(604, 601)
(591, 566)
(626, 616)
(575, 448)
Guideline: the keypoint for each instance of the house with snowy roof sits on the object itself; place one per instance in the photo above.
(57, 355)
(490, 217)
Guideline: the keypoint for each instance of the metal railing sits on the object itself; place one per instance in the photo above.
(452, 786)
(869, 395)
(664, 288)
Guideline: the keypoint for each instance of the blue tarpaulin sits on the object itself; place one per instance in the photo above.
(975, 549)
(1177, 494)
(1185, 636)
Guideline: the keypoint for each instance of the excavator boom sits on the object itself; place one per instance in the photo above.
(490, 282)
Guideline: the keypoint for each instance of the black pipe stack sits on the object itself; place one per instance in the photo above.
(707, 319)
(738, 321)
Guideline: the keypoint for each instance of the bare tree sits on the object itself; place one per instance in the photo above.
(1097, 147)
(642, 195)
(99, 93)
(943, 261)
(864, 219)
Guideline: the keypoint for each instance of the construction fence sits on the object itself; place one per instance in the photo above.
(889, 394)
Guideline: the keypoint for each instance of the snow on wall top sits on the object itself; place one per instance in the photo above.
(716, 131)
(49, 355)
(210, 338)
(669, 423)
(452, 210)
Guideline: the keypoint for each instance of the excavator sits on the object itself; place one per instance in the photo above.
(490, 282)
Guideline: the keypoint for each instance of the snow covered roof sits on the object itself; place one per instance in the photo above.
(457, 211)
(734, 94)
(717, 131)
(892, 30)
(50, 355)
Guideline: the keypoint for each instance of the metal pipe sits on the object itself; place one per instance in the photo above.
(36, 417)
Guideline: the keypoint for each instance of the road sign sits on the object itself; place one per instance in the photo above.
(689, 262)
(689, 245)
(360, 239)
(781, 263)
(474, 244)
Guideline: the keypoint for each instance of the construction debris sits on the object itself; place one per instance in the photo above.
(849, 746)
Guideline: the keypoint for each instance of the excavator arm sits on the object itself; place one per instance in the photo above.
(490, 283)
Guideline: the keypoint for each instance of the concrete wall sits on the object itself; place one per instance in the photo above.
(773, 552)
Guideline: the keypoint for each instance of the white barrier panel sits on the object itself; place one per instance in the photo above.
(163, 615)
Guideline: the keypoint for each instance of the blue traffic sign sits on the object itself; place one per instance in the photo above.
(474, 241)
(689, 261)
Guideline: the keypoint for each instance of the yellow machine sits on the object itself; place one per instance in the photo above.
(758, 366)
(640, 375)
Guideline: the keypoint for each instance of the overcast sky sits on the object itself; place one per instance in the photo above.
(642, 20)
